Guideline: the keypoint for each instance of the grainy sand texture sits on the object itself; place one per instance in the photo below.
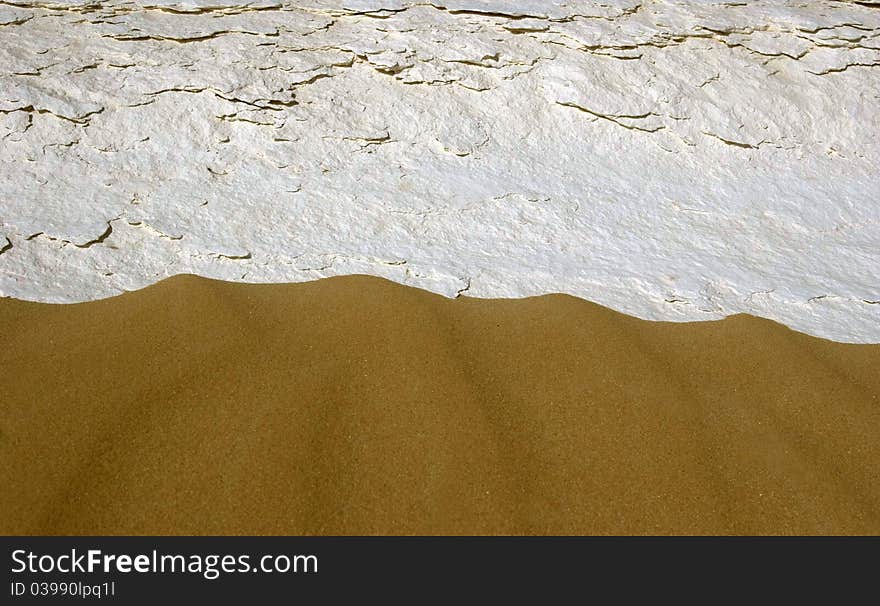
(355, 405)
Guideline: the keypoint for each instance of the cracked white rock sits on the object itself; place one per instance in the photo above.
(678, 160)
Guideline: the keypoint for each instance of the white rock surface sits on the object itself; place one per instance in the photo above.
(675, 160)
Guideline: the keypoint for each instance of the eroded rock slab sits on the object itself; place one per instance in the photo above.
(673, 160)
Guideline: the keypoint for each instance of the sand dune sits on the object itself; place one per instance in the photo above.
(354, 405)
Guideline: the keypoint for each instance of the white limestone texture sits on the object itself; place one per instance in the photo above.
(674, 160)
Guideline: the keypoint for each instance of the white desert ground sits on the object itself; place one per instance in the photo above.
(457, 266)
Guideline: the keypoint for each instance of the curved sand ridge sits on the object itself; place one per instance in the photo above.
(355, 405)
(671, 160)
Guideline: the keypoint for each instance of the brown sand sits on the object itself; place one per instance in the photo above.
(353, 405)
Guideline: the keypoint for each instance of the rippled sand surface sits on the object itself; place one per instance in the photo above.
(354, 405)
